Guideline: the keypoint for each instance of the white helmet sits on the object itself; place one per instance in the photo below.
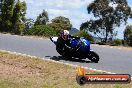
(65, 34)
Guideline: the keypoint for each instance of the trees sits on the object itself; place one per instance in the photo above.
(12, 16)
(23, 11)
(1, 1)
(6, 14)
(128, 35)
(40, 27)
(18, 17)
(57, 24)
(61, 23)
(28, 24)
(108, 14)
(42, 30)
(85, 34)
(42, 19)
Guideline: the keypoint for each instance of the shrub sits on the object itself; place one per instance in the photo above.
(102, 43)
(128, 35)
(130, 40)
(117, 42)
(42, 30)
(84, 34)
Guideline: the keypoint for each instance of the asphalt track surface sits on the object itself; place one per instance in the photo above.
(111, 59)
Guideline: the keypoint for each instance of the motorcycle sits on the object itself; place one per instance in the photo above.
(80, 49)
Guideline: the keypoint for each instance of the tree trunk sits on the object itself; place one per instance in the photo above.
(106, 37)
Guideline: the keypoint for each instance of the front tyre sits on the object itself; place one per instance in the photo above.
(94, 57)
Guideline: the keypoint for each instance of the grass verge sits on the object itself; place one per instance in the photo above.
(24, 72)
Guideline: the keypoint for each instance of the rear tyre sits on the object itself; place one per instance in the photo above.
(94, 57)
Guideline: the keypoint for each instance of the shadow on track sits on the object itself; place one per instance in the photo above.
(58, 58)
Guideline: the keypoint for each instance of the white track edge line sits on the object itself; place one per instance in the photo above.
(56, 61)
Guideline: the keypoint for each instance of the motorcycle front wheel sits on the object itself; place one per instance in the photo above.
(94, 57)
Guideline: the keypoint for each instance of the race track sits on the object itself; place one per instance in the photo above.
(111, 59)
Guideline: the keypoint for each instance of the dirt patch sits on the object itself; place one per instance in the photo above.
(16, 69)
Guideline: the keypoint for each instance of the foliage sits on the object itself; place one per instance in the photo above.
(1, 29)
(128, 35)
(28, 24)
(6, 14)
(60, 23)
(84, 34)
(23, 11)
(108, 14)
(130, 41)
(16, 18)
(0, 15)
(42, 19)
(42, 30)
(117, 42)
(12, 16)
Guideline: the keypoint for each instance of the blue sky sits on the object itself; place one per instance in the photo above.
(75, 10)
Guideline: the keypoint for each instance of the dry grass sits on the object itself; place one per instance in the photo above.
(24, 72)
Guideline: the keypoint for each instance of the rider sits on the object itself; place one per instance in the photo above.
(64, 41)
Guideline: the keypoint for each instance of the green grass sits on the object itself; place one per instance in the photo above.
(25, 72)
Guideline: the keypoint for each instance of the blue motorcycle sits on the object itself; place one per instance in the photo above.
(80, 49)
